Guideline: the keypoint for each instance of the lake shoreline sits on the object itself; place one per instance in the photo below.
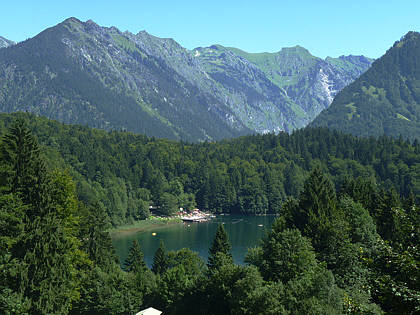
(155, 223)
(243, 231)
(149, 224)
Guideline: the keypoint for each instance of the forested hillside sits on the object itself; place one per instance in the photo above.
(352, 250)
(126, 173)
(385, 99)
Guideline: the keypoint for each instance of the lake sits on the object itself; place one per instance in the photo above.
(244, 232)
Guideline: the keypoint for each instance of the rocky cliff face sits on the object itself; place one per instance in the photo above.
(4, 42)
(84, 73)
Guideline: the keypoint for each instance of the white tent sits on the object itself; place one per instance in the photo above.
(149, 311)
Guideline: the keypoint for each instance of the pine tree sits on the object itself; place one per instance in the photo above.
(47, 252)
(96, 240)
(316, 207)
(25, 170)
(135, 259)
(219, 252)
(160, 260)
(11, 229)
(318, 217)
(11, 221)
(318, 197)
(387, 213)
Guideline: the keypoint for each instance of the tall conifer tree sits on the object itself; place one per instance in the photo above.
(47, 253)
(96, 240)
(219, 252)
(160, 260)
(135, 259)
(27, 176)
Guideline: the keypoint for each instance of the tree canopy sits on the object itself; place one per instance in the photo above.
(344, 244)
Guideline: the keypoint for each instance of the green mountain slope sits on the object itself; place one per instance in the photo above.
(383, 100)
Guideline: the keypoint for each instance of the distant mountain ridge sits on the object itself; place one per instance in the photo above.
(4, 42)
(307, 83)
(80, 72)
(383, 100)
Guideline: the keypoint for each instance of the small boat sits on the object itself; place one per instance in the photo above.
(195, 219)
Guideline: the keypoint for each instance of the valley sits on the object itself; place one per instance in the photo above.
(113, 143)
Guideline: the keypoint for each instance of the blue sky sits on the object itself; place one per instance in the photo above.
(326, 28)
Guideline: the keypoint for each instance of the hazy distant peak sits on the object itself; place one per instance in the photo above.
(410, 36)
(359, 58)
(351, 58)
(295, 50)
(143, 32)
(88, 26)
(91, 22)
(91, 25)
(217, 46)
(72, 20)
(144, 36)
(296, 47)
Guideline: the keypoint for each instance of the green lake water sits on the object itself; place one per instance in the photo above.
(244, 232)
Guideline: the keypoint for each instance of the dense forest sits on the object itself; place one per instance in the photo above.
(346, 246)
(126, 173)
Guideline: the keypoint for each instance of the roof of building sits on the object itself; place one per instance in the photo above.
(149, 311)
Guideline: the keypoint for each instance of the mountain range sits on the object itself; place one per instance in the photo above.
(383, 100)
(307, 84)
(80, 72)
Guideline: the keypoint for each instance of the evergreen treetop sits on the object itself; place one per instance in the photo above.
(135, 259)
(220, 249)
(160, 259)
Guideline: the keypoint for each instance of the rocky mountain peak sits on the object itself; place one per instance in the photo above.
(91, 22)
(295, 50)
(4, 42)
(411, 35)
(143, 33)
(71, 20)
